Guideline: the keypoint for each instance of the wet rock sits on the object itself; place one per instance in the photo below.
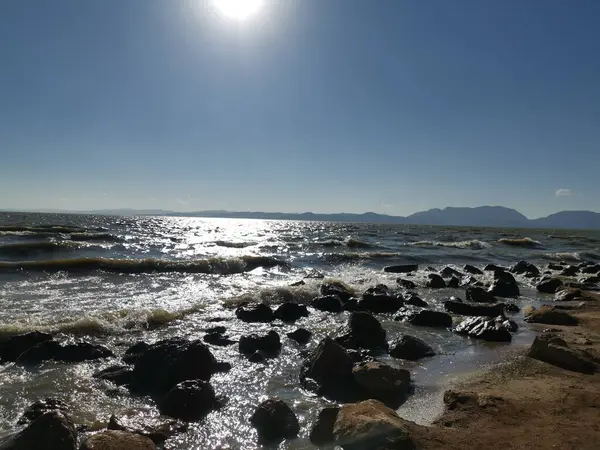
(269, 344)
(435, 281)
(406, 284)
(41, 407)
(171, 361)
(290, 312)
(382, 382)
(424, 317)
(52, 430)
(472, 270)
(321, 433)
(301, 336)
(504, 285)
(14, 346)
(329, 303)
(54, 351)
(297, 283)
(549, 316)
(351, 304)
(551, 349)
(415, 300)
(259, 313)
(553, 266)
(479, 295)
(117, 440)
(488, 329)
(363, 331)
(549, 285)
(570, 271)
(410, 348)
(493, 268)
(119, 375)
(567, 295)
(473, 309)
(371, 425)
(454, 283)
(189, 400)
(379, 300)
(591, 269)
(257, 357)
(471, 281)
(157, 429)
(511, 307)
(275, 421)
(449, 272)
(336, 288)
(218, 339)
(591, 280)
(525, 268)
(406, 268)
(134, 352)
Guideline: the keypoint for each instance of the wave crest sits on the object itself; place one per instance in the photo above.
(473, 244)
(520, 242)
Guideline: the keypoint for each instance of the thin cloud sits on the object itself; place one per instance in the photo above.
(563, 193)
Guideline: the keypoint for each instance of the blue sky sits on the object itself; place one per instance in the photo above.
(340, 105)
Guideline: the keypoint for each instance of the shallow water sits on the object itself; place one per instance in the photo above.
(117, 280)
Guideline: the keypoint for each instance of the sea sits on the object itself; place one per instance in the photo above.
(119, 280)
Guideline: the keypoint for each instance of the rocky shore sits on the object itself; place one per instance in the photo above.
(546, 398)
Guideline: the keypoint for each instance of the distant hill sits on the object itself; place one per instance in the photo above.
(483, 216)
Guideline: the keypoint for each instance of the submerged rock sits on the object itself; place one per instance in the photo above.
(117, 440)
(259, 313)
(189, 400)
(328, 303)
(549, 285)
(134, 352)
(363, 331)
(15, 345)
(291, 312)
(41, 407)
(570, 271)
(120, 375)
(472, 269)
(218, 339)
(410, 348)
(470, 309)
(479, 295)
(301, 336)
(435, 281)
(406, 268)
(595, 269)
(157, 429)
(504, 285)
(497, 329)
(525, 268)
(406, 284)
(549, 316)
(551, 349)
(424, 317)
(275, 421)
(382, 382)
(414, 300)
(269, 344)
(336, 288)
(52, 430)
(52, 350)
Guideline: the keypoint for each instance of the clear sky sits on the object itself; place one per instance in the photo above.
(391, 106)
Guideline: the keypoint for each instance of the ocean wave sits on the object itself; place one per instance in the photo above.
(349, 257)
(40, 229)
(104, 237)
(217, 266)
(348, 242)
(571, 256)
(473, 244)
(520, 242)
(230, 244)
(27, 248)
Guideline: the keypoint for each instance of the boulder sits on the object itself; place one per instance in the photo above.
(435, 281)
(406, 268)
(370, 425)
(134, 352)
(157, 429)
(504, 285)
(337, 289)
(329, 303)
(52, 350)
(479, 295)
(189, 400)
(363, 331)
(275, 421)
(567, 295)
(473, 309)
(424, 317)
(549, 316)
(525, 268)
(549, 285)
(472, 270)
(493, 268)
(552, 349)
(553, 266)
(15, 345)
(415, 300)
(406, 284)
(488, 329)
(379, 300)
(117, 440)
(269, 344)
(41, 407)
(218, 339)
(119, 375)
(511, 307)
(301, 336)
(449, 272)
(52, 430)
(591, 269)
(410, 348)
(290, 312)
(570, 271)
(259, 313)
(382, 382)
(454, 283)
(321, 433)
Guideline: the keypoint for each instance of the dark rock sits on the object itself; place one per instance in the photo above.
(479, 295)
(189, 400)
(552, 349)
(219, 329)
(591, 269)
(407, 284)
(435, 281)
(472, 270)
(257, 357)
(424, 317)
(379, 300)
(52, 430)
(218, 339)
(511, 307)
(525, 268)
(351, 304)
(449, 272)
(486, 328)
(382, 382)
(52, 350)
(259, 313)
(493, 268)
(301, 336)
(410, 348)
(471, 309)
(329, 303)
(297, 283)
(549, 316)
(41, 407)
(363, 331)
(336, 288)
(321, 433)
(290, 312)
(414, 300)
(134, 352)
(553, 266)
(504, 285)
(14, 346)
(119, 375)
(591, 280)
(275, 421)
(549, 285)
(117, 440)
(406, 268)
(371, 425)
(454, 283)
(157, 429)
(472, 281)
(269, 344)
(171, 361)
(567, 295)
(570, 271)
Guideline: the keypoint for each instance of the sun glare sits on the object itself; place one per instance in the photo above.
(238, 9)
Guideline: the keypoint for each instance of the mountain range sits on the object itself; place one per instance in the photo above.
(483, 216)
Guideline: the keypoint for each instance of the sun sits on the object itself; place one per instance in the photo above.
(238, 9)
